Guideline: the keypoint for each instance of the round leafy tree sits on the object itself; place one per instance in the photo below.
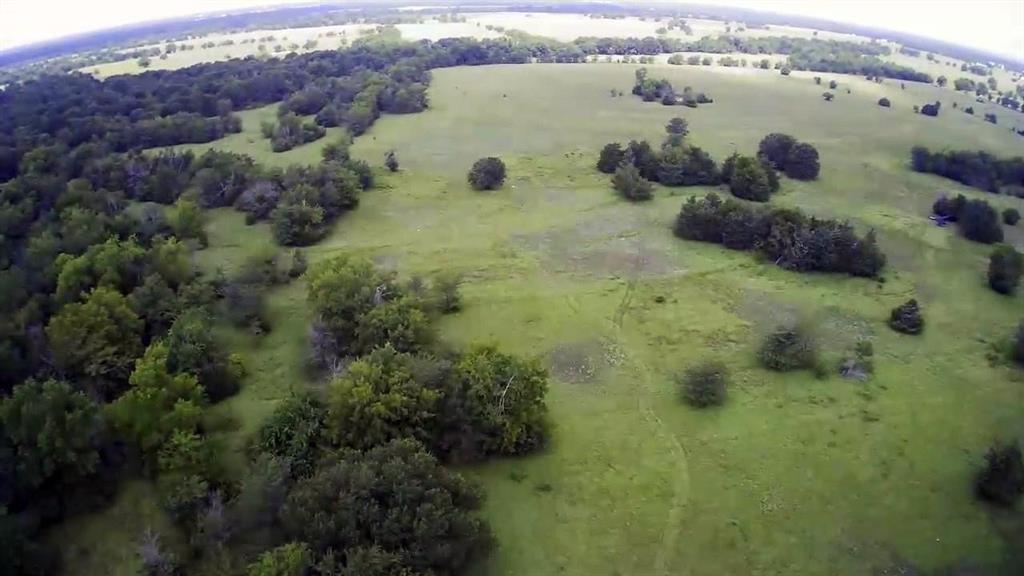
(906, 318)
(884, 102)
(628, 182)
(774, 148)
(1011, 216)
(802, 162)
(980, 222)
(1005, 267)
(394, 497)
(705, 384)
(749, 180)
(1001, 481)
(487, 174)
(611, 157)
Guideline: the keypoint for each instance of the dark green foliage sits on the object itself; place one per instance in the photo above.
(1011, 216)
(628, 182)
(445, 292)
(802, 163)
(391, 161)
(789, 348)
(494, 404)
(884, 102)
(293, 434)
(291, 131)
(687, 166)
(611, 157)
(1005, 268)
(949, 208)
(705, 384)
(383, 498)
(97, 340)
(1017, 345)
(1001, 480)
(55, 434)
(292, 559)
(931, 109)
(979, 222)
(774, 149)
(786, 237)
(192, 349)
(399, 322)
(646, 160)
(749, 180)
(976, 169)
(907, 318)
(383, 396)
(487, 174)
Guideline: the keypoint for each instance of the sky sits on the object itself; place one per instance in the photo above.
(993, 25)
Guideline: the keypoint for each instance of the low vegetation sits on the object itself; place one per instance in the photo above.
(907, 318)
(487, 174)
(1005, 268)
(705, 384)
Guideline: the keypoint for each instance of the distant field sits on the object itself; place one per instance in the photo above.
(794, 475)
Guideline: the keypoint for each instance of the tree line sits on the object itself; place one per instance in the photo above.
(977, 169)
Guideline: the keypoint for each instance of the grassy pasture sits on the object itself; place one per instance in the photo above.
(793, 475)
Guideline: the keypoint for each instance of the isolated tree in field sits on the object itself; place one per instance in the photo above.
(677, 129)
(789, 348)
(828, 96)
(1011, 216)
(775, 148)
(749, 180)
(980, 222)
(817, 80)
(395, 498)
(611, 157)
(1005, 268)
(487, 174)
(1001, 480)
(785, 70)
(705, 384)
(832, 84)
(884, 102)
(906, 318)
(802, 162)
(1017, 345)
(391, 161)
(941, 81)
(628, 182)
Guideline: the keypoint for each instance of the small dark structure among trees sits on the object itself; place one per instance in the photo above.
(907, 318)
(487, 174)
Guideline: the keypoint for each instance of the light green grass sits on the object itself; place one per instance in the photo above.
(793, 475)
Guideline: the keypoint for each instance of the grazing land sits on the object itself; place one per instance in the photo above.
(794, 475)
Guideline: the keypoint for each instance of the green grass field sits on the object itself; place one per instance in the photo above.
(793, 475)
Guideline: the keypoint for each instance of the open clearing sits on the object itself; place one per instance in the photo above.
(793, 475)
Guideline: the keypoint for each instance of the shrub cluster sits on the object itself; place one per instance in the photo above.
(749, 178)
(290, 131)
(487, 174)
(789, 348)
(705, 384)
(786, 237)
(798, 160)
(976, 169)
(661, 90)
(1005, 268)
(1001, 480)
(977, 219)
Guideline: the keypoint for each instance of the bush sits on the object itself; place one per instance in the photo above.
(1011, 216)
(789, 348)
(445, 292)
(396, 498)
(980, 222)
(612, 156)
(802, 162)
(906, 318)
(293, 434)
(1001, 481)
(749, 180)
(774, 148)
(292, 559)
(1005, 267)
(884, 102)
(628, 182)
(1017, 345)
(705, 384)
(487, 174)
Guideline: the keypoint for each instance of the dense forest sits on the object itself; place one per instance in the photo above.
(109, 358)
